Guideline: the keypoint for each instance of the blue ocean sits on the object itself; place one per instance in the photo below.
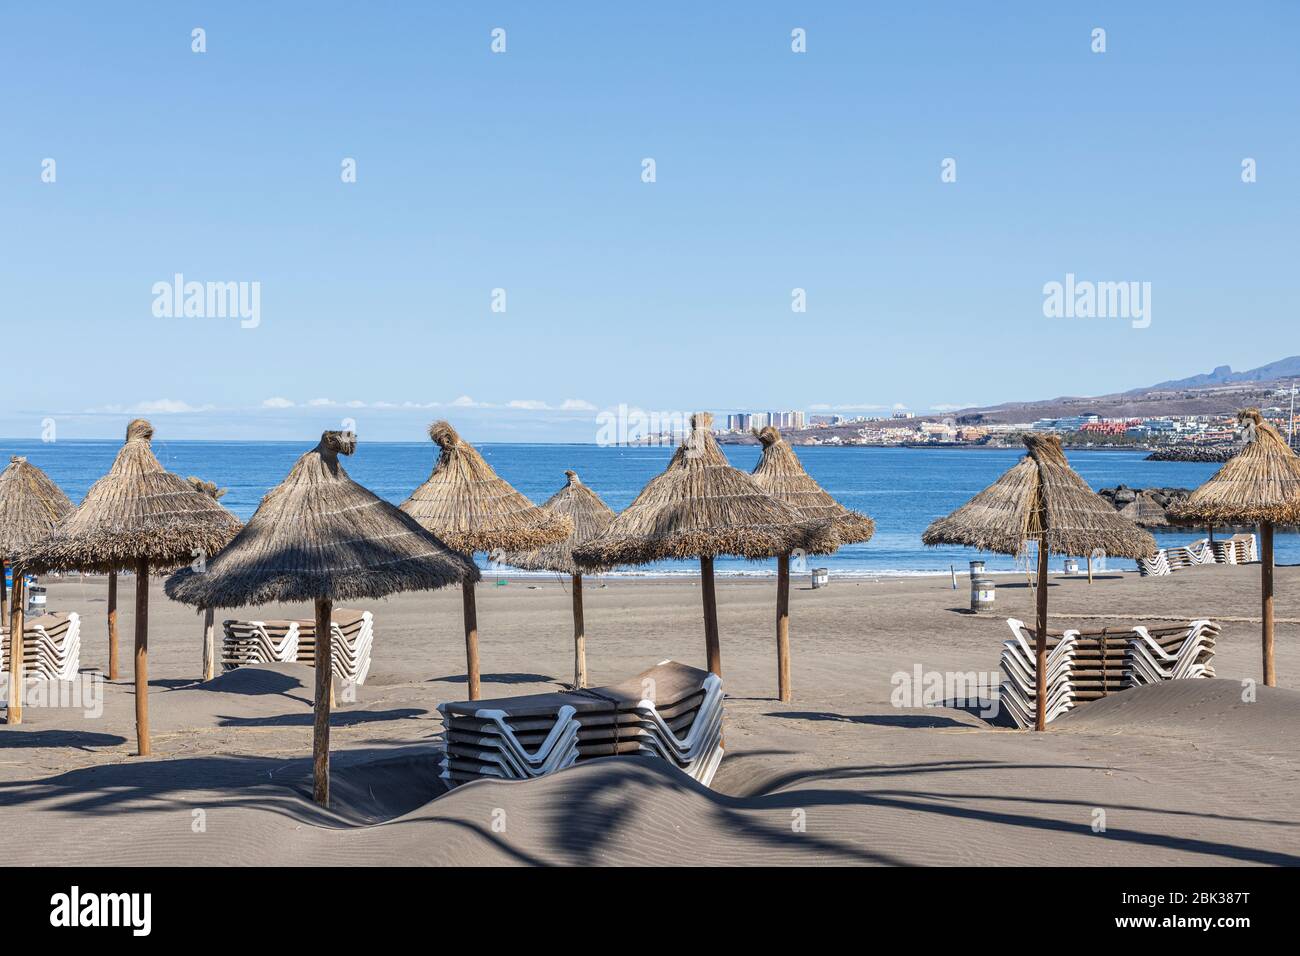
(903, 489)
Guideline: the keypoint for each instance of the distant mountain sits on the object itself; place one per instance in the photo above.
(1224, 375)
(1220, 392)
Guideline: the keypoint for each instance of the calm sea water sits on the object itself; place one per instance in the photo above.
(904, 489)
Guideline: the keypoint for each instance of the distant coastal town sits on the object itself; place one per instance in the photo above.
(907, 429)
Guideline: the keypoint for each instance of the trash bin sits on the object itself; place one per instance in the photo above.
(821, 577)
(976, 569)
(983, 594)
(35, 600)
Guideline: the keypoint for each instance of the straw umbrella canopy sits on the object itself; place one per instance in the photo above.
(1260, 486)
(780, 473)
(591, 517)
(1044, 500)
(31, 506)
(209, 665)
(701, 507)
(472, 508)
(1145, 511)
(319, 536)
(138, 516)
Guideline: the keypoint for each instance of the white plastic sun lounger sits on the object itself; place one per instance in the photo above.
(524, 737)
(51, 646)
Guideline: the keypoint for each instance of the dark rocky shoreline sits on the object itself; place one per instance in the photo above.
(1217, 455)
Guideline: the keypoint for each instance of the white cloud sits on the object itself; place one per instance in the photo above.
(465, 402)
(577, 405)
(160, 406)
(277, 402)
(947, 407)
(899, 407)
(168, 406)
(531, 404)
(356, 404)
(317, 402)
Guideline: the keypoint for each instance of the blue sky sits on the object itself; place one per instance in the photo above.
(522, 171)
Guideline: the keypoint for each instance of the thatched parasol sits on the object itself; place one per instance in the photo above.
(702, 507)
(1145, 511)
(1044, 500)
(319, 536)
(31, 506)
(139, 515)
(1260, 486)
(591, 517)
(472, 508)
(209, 665)
(780, 473)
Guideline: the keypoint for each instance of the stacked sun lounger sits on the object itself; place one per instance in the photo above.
(352, 633)
(1239, 549)
(1155, 566)
(51, 646)
(258, 642)
(671, 712)
(1087, 665)
(1171, 653)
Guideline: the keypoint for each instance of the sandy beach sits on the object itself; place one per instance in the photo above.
(1183, 773)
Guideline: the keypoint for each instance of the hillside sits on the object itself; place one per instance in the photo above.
(1220, 392)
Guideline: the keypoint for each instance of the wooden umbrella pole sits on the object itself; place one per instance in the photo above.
(320, 740)
(1090, 569)
(579, 636)
(209, 644)
(1266, 587)
(4, 591)
(471, 638)
(1040, 641)
(112, 625)
(783, 627)
(16, 626)
(142, 656)
(711, 645)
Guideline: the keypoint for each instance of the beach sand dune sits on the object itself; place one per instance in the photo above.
(1176, 774)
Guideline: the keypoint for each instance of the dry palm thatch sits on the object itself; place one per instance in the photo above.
(1261, 485)
(780, 473)
(140, 516)
(472, 508)
(320, 535)
(1145, 511)
(139, 511)
(31, 506)
(590, 517)
(209, 488)
(1042, 499)
(700, 506)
